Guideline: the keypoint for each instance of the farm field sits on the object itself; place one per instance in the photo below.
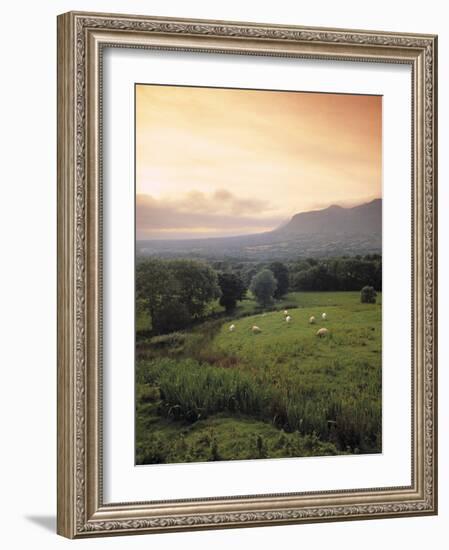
(211, 394)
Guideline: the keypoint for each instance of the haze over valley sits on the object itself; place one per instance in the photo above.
(332, 231)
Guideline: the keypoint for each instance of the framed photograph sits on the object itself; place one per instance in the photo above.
(247, 288)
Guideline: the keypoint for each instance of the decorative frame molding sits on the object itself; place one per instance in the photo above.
(81, 37)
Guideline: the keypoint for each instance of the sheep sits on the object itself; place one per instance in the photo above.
(322, 332)
(288, 318)
(255, 329)
(312, 320)
(232, 328)
(285, 312)
(324, 316)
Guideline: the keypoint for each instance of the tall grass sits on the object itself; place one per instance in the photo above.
(192, 391)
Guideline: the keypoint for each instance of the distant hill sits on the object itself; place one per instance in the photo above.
(332, 231)
(364, 219)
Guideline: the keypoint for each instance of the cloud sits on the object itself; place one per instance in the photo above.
(198, 214)
(233, 155)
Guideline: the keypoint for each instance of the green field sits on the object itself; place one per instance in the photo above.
(211, 394)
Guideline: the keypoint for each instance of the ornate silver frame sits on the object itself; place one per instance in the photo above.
(81, 38)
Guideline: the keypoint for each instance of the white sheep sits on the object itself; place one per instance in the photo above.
(324, 316)
(312, 320)
(256, 329)
(232, 328)
(288, 318)
(285, 312)
(322, 332)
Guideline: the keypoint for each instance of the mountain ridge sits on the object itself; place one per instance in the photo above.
(363, 218)
(332, 230)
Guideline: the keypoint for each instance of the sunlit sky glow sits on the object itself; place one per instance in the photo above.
(215, 162)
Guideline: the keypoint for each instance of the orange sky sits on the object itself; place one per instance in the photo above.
(215, 162)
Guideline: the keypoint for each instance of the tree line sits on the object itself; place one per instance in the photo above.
(176, 293)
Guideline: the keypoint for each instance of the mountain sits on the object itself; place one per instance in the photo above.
(332, 231)
(363, 219)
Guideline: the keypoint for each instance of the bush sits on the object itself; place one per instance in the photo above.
(170, 316)
(173, 340)
(368, 295)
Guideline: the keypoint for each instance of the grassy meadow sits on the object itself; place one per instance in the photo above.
(206, 393)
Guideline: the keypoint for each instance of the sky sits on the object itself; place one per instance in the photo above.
(214, 162)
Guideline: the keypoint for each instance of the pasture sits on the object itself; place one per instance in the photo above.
(214, 394)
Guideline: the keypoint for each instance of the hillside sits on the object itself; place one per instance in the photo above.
(365, 219)
(332, 231)
(213, 394)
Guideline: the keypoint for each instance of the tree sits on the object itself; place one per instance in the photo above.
(263, 286)
(175, 292)
(170, 316)
(355, 273)
(280, 272)
(232, 289)
(198, 285)
(157, 289)
(319, 277)
(368, 295)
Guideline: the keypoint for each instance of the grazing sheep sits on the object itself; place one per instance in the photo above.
(255, 329)
(232, 328)
(312, 320)
(322, 332)
(285, 312)
(288, 318)
(324, 316)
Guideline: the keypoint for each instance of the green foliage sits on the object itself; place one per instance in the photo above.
(173, 340)
(337, 274)
(224, 438)
(191, 390)
(320, 396)
(317, 277)
(198, 285)
(280, 272)
(263, 286)
(175, 292)
(158, 292)
(232, 290)
(368, 295)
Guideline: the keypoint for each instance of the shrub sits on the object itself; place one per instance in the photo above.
(173, 340)
(170, 316)
(368, 295)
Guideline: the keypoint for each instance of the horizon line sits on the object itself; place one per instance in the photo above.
(239, 235)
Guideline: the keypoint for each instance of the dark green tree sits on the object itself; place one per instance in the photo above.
(263, 286)
(197, 285)
(157, 290)
(175, 292)
(319, 277)
(232, 290)
(280, 272)
(354, 273)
